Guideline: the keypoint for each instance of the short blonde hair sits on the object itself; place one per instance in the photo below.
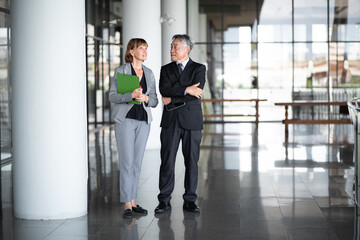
(133, 43)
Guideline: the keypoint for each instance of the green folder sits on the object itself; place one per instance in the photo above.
(127, 83)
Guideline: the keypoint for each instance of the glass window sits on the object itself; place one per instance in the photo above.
(281, 48)
(274, 78)
(310, 66)
(344, 65)
(275, 65)
(241, 14)
(275, 21)
(353, 63)
(104, 25)
(91, 78)
(310, 20)
(5, 86)
(237, 65)
(214, 14)
(238, 60)
(344, 20)
(215, 72)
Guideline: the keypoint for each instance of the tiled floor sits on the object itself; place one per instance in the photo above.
(251, 186)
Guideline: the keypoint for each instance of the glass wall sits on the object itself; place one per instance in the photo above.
(282, 51)
(5, 83)
(103, 37)
(279, 50)
(103, 53)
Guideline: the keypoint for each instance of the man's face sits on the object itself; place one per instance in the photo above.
(179, 51)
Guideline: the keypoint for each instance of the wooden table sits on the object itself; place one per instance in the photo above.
(300, 103)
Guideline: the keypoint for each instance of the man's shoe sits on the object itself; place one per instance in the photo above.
(127, 214)
(163, 207)
(191, 207)
(139, 209)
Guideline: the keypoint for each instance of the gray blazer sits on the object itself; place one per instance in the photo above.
(121, 105)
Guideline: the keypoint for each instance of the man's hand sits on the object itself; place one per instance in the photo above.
(194, 90)
(166, 100)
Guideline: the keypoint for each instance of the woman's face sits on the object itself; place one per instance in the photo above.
(139, 53)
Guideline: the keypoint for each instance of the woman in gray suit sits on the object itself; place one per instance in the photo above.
(132, 122)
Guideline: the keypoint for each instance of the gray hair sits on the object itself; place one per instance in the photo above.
(184, 38)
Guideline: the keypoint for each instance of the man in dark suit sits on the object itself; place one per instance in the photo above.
(181, 84)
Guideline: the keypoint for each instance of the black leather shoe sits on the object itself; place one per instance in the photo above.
(191, 207)
(127, 214)
(163, 207)
(139, 209)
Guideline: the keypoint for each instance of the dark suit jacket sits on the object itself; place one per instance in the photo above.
(173, 85)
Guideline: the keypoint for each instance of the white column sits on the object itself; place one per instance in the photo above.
(141, 19)
(202, 38)
(193, 27)
(49, 109)
(173, 13)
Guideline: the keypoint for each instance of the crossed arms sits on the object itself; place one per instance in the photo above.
(182, 94)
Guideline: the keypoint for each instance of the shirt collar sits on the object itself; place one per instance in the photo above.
(184, 62)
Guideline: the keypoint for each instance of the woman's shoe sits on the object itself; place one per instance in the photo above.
(139, 209)
(127, 214)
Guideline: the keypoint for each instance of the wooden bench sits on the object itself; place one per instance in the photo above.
(302, 103)
(256, 115)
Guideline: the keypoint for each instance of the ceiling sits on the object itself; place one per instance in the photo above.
(244, 12)
(236, 12)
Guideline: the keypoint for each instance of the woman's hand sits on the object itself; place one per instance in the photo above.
(142, 98)
(136, 93)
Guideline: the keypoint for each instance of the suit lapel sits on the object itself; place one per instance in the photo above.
(182, 78)
(188, 65)
(147, 78)
(175, 69)
(127, 69)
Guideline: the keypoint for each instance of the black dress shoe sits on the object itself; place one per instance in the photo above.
(163, 207)
(191, 207)
(139, 209)
(127, 214)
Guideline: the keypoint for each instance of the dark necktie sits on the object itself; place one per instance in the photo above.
(180, 68)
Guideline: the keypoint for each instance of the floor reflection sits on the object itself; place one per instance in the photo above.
(165, 229)
(252, 185)
(130, 232)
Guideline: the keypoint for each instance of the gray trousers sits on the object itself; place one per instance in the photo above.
(131, 138)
